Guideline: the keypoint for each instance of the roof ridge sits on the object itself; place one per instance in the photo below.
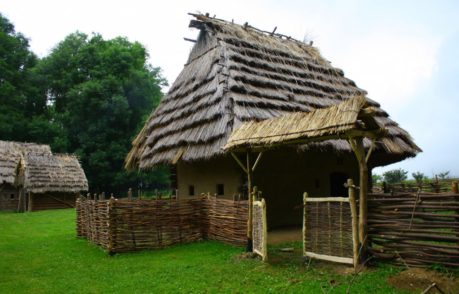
(206, 18)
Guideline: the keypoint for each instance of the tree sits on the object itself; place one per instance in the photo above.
(443, 175)
(419, 177)
(101, 92)
(24, 114)
(395, 176)
(376, 178)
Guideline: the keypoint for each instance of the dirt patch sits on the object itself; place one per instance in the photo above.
(285, 235)
(417, 280)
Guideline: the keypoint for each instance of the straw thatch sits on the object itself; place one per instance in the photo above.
(238, 73)
(38, 170)
(337, 120)
(11, 154)
(53, 173)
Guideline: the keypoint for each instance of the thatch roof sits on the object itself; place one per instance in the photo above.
(53, 173)
(42, 170)
(347, 119)
(11, 154)
(237, 73)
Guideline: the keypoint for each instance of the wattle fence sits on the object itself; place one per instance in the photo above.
(415, 229)
(131, 225)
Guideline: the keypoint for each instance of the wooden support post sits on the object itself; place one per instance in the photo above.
(249, 192)
(359, 151)
(21, 199)
(26, 200)
(305, 217)
(265, 230)
(454, 187)
(355, 237)
(30, 203)
(130, 194)
(256, 161)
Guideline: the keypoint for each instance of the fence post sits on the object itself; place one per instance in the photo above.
(305, 217)
(355, 227)
(110, 225)
(454, 187)
(130, 194)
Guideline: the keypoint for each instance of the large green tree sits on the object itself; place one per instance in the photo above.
(24, 115)
(100, 92)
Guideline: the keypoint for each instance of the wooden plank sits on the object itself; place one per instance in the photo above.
(327, 199)
(346, 260)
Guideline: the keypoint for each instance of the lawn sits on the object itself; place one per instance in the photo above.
(39, 253)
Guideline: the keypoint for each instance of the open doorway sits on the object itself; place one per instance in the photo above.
(337, 181)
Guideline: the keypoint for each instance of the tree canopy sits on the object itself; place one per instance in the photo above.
(23, 112)
(89, 96)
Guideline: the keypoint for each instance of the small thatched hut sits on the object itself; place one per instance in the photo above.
(34, 178)
(236, 74)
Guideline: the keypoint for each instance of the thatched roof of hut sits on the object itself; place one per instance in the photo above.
(40, 170)
(238, 73)
(347, 119)
(11, 154)
(53, 173)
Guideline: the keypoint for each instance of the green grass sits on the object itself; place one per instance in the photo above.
(39, 253)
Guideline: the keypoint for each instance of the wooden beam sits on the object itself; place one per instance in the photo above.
(256, 161)
(345, 135)
(372, 147)
(338, 259)
(239, 162)
(189, 40)
(328, 199)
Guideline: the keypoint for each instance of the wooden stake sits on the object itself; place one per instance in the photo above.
(305, 217)
(130, 194)
(30, 206)
(454, 187)
(249, 191)
(265, 230)
(21, 199)
(355, 238)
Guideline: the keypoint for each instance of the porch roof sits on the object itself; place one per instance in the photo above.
(351, 118)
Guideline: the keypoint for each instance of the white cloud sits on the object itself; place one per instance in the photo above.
(391, 66)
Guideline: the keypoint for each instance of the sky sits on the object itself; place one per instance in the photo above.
(405, 54)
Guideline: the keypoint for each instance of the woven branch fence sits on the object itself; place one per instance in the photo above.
(415, 229)
(330, 228)
(132, 225)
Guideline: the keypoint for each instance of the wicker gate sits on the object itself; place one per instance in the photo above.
(330, 229)
(260, 229)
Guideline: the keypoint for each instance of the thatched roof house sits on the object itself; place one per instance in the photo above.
(11, 154)
(237, 73)
(50, 180)
(46, 173)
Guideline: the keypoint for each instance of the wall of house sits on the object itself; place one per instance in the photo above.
(9, 197)
(204, 176)
(283, 175)
(52, 201)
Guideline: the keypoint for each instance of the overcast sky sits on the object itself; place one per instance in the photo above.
(404, 53)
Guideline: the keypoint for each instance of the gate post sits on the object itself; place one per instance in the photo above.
(355, 226)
